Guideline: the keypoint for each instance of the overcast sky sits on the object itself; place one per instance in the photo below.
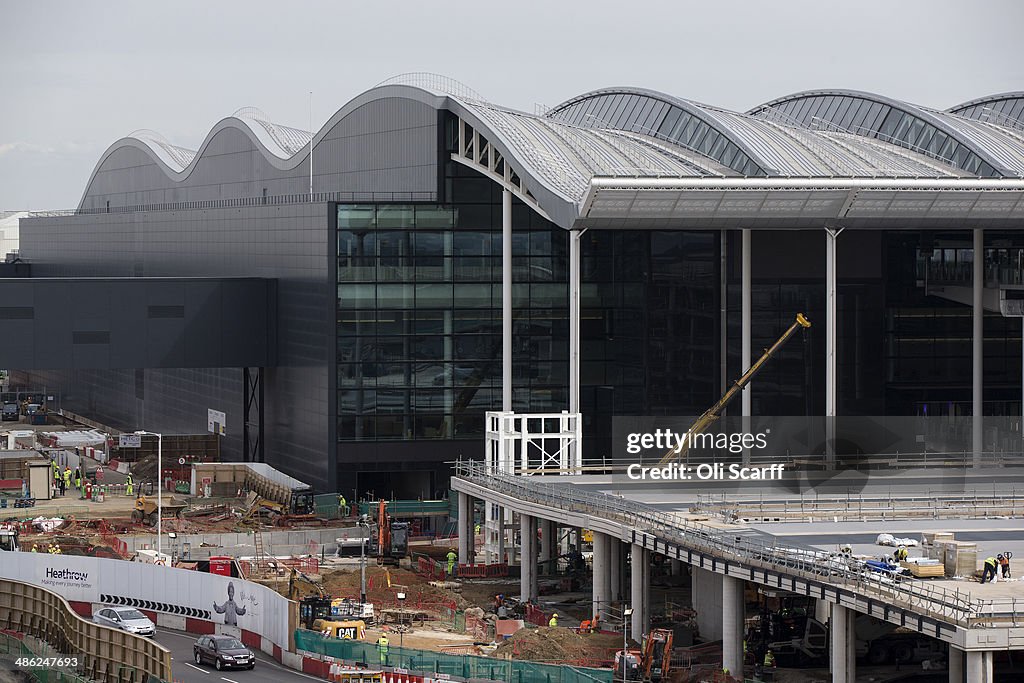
(75, 76)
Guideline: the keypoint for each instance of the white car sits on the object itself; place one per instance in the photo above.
(125, 618)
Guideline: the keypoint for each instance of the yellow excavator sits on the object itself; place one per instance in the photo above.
(714, 412)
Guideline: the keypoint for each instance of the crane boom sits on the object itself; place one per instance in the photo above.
(714, 412)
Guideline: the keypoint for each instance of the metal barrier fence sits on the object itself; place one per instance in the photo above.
(463, 666)
(950, 605)
(101, 654)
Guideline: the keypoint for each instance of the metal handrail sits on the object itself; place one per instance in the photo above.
(951, 605)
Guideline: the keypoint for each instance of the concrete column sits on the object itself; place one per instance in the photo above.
(574, 320)
(831, 342)
(979, 667)
(501, 535)
(506, 301)
(528, 563)
(977, 348)
(677, 568)
(548, 540)
(723, 311)
(639, 558)
(732, 626)
(706, 592)
(601, 598)
(615, 558)
(647, 582)
(844, 645)
(466, 541)
(956, 665)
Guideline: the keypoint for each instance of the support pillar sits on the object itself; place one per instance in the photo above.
(548, 541)
(979, 667)
(956, 665)
(528, 561)
(501, 535)
(466, 540)
(639, 559)
(732, 626)
(977, 348)
(843, 645)
(677, 568)
(575, 247)
(615, 558)
(831, 342)
(601, 598)
(506, 301)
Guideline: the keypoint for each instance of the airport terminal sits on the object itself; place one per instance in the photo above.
(435, 294)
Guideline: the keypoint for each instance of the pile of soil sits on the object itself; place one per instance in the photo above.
(345, 584)
(559, 645)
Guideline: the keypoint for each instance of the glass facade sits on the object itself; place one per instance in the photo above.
(875, 119)
(654, 117)
(1007, 112)
(419, 317)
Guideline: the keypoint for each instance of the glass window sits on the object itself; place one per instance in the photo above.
(852, 111)
(669, 122)
(832, 108)
(395, 216)
(653, 122)
(914, 132)
(641, 116)
(356, 216)
(435, 217)
(680, 128)
(889, 125)
(699, 134)
(708, 142)
(844, 106)
(718, 148)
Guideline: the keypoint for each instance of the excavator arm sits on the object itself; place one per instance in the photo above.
(714, 412)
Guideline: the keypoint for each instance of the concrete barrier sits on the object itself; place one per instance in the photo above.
(105, 654)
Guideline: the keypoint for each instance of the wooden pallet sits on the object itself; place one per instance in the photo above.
(925, 570)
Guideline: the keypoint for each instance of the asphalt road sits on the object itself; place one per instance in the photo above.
(184, 669)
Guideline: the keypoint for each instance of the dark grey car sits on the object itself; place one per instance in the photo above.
(224, 652)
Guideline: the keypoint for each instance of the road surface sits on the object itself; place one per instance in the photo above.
(184, 669)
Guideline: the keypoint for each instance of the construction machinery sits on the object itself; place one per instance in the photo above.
(389, 540)
(146, 507)
(657, 654)
(714, 412)
(651, 663)
(302, 576)
(9, 537)
(347, 630)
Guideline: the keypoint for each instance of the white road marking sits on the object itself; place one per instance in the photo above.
(228, 680)
(197, 668)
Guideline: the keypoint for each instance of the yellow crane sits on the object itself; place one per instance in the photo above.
(714, 412)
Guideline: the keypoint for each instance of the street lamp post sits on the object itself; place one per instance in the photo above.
(362, 562)
(159, 487)
(626, 614)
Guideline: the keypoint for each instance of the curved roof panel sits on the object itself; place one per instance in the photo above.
(565, 157)
(284, 141)
(176, 157)
(1005, 109)
(748, 145)
(979, 149)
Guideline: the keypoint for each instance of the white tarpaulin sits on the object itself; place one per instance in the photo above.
(88, 437)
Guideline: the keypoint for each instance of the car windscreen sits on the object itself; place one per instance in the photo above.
(230, 645)
(130, 614)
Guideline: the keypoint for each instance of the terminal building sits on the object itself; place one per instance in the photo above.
(339, 295)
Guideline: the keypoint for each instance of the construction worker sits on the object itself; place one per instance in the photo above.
(67, 478)
(901, 554)
(452, 558)
(553, 621)
(1004, 562)
(342, 505)
(989, 570)
(34, 548)
(129, 485)
(56, 549)
(769, 660)
(78, 477)
(382, 649)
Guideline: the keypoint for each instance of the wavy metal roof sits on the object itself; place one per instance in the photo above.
(284, 141)
(750, 146)
(1005, 109)
(566, 157)
(976, 147)
(175, 156)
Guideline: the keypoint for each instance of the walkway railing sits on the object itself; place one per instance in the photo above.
(949, 605)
